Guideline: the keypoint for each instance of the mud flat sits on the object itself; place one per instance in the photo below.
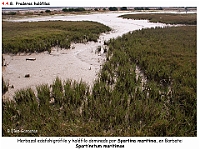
(81, 62)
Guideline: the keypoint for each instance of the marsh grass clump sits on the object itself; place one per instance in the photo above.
(43, 94)
(32, 37)
(4, 86)
(26, 96)
(57, 91)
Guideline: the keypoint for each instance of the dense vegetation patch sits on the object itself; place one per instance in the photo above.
(170, 18)
(73, 9)
(117, 105)
(113, 8)
(123, 8)
(167, 57)
(47, 11)
(41, 36)
(141, 8)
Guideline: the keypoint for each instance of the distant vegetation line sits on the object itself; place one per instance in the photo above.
(188, 19)
(6, 14)
(79, 9)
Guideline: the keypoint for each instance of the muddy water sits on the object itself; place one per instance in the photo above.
(80, 63)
